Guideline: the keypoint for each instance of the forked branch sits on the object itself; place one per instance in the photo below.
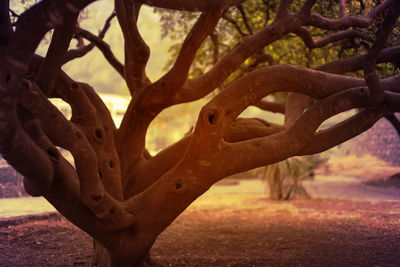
(346, 22)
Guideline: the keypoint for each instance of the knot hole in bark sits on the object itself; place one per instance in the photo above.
(213, 117)
(111, 164)
(53, 154)
(74, 86)
(8, 77)
(179, 186)
(79, 135)
(97, 198)
(98, 134)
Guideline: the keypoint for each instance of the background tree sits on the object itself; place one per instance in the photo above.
(116, 191)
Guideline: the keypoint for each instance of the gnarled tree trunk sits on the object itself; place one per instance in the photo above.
(116, 191)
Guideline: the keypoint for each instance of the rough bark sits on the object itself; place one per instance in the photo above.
(116, 191)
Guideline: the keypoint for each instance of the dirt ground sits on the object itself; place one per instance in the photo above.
(234, 230)
(223, 228)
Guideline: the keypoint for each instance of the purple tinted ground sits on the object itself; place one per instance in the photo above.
(237, 230)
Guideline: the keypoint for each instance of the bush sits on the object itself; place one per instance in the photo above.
(284, 179)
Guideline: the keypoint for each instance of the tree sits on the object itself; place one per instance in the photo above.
(120, 194)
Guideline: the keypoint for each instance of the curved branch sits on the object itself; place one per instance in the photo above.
(371, 78)
(56, 53)
(264, 81)
(283, 8)
(245, 20)
(305, 35)
(151, 101)
(233, 22)
(18, 149)
(351, 127)
(104, 48)
(65, 134)
(348, 21)
(275, 107)
(172, 81)
(355, 63)
(196, 172)
(137, 51)
(201, 86)
(274, 148)
(395, 122)
(145, 173)
(80, 52)
(335, 135)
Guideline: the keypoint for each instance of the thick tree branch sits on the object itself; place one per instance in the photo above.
(171, 82)
(201, 86)
(305, 12)
(295, 106)
(385, 31)
(15, 145)
(274, 148)
(145, 174)
(67, 135)
(5, 23)
(196, 172)
(335, 135)
(93, 118)
(351, 127)
(261, 82)
(55, 56)
(136, 50)
(275, 107)
(283, 8)
(395, 122)
(157, 96)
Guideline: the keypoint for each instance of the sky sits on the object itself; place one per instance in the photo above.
(95, 70)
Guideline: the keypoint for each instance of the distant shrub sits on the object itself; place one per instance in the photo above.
(284, 179)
